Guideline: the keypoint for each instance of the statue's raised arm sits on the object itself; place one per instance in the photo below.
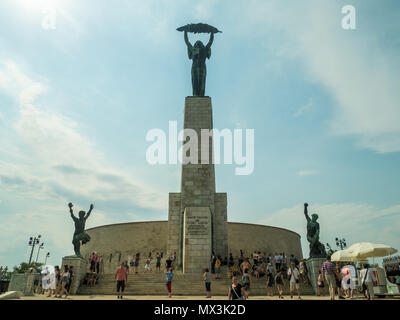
(188, 44)
(306, 212)
(70, 205)
(210, 42)
(89, 212)
(186, 38)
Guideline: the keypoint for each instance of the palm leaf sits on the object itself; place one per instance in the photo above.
(198, 28)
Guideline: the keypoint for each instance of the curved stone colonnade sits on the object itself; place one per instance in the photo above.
(120, 242)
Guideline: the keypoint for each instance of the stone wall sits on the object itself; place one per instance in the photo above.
(22, 283)
(119, 242)
(250, 237)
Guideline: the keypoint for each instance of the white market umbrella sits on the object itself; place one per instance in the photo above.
(343, 256)
(363, 250)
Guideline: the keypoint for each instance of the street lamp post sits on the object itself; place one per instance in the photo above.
(40, 247)
(341, 243)
(47, 255)
(33, 241)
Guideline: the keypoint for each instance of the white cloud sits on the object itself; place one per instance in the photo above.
(356, 222)
(54, 163)
(360, 75)
(52, 222)
(52, 140)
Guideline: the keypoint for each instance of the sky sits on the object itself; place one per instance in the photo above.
(82, 83)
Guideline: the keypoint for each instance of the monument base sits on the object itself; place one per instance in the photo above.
(313, 266)
(197, 239)
(79, 265)
(22, 283)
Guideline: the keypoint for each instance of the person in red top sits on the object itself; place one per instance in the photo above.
(122, 279)
(93, 261)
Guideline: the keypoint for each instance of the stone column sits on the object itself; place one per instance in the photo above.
(198, 185)
(313, 266)
(79, 268)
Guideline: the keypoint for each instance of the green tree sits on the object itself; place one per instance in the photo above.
(24, 267)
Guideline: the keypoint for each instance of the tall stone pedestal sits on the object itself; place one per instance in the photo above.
(313, 266)
(79, 268)
(198, 190)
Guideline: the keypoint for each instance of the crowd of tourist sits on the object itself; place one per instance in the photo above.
(339, 281)
(121, 274)
(56, 283)
(96, 263)
(241, 269)
(275, 268)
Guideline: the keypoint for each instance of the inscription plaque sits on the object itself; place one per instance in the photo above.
(197, 239)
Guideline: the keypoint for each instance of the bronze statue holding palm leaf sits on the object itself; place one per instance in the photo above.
(198, 54)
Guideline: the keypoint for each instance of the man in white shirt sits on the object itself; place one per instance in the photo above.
(367, 277)
(293, 275)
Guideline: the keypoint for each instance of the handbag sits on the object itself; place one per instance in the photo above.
(364, 286)
(292, 275)
(238, 298)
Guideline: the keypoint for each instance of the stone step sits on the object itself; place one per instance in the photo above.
(182, 284)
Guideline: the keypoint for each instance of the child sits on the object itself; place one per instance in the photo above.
(147, 266)
(320, 284)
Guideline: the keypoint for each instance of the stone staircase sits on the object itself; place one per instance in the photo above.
(153, 283)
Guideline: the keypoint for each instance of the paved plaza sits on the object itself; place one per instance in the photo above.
(164, 297)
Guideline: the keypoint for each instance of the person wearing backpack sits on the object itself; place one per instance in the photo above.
(270, 283)
(279, 283)
(293, 274)
(246, 283)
